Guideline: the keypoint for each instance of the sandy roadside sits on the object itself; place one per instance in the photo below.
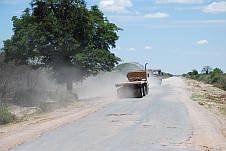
(209, 126)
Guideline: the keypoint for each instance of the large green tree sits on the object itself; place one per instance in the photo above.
(64, 36)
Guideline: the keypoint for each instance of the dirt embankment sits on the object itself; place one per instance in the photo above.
(212, 98)
(207, 115)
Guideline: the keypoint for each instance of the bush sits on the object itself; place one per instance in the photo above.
(220, 81)
(166, 75)
(215, 77)
(204, 78)
(196, 76)
(5, 116)
(61, 99)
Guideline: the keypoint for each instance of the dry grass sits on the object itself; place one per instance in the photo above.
(208, 96)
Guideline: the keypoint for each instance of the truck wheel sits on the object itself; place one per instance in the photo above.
(147, 89)
(141, 92)
(144, 90)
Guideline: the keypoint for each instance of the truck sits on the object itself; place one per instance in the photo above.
(136, 86)
(156, 76)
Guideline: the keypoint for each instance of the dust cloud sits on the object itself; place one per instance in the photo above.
(100, 86)
(154, 81)
(103, 85)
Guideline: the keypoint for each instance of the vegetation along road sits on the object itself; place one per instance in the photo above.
(165, 119)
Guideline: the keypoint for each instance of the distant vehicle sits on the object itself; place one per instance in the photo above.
(136, 86)
(157, 75)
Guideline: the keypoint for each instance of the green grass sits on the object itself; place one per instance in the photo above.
(196, 97)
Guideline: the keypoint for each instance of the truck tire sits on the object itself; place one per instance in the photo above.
(144, 90)
(140, 95)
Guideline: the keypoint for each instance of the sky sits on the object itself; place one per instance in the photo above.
(176, 36)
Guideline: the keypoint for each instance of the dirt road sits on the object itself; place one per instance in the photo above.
(166, 119)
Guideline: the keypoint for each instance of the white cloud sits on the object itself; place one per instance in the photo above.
(200, 42)
(138, 13)
(175, 50)
(118, 6)
(189, 8)
(179, 1)
(131, 49)
(118, 47)
(190, 24)
(153, 8)
(210, 21)
(148, 47)
(156, 15)
(215, 7)
(123, 18)
(116, 53)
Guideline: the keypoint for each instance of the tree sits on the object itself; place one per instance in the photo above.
(217, 71)
(194, 72)
(206, 69)
(64, 36)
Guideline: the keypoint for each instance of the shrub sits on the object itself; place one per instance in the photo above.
(196, 76)
(166, 75)
(222, 82)
(215, 79)
(5, 116)
(204, 78)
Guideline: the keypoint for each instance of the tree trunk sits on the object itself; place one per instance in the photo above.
(70, 85)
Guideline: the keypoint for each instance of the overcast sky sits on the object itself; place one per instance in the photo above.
(176, 36)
